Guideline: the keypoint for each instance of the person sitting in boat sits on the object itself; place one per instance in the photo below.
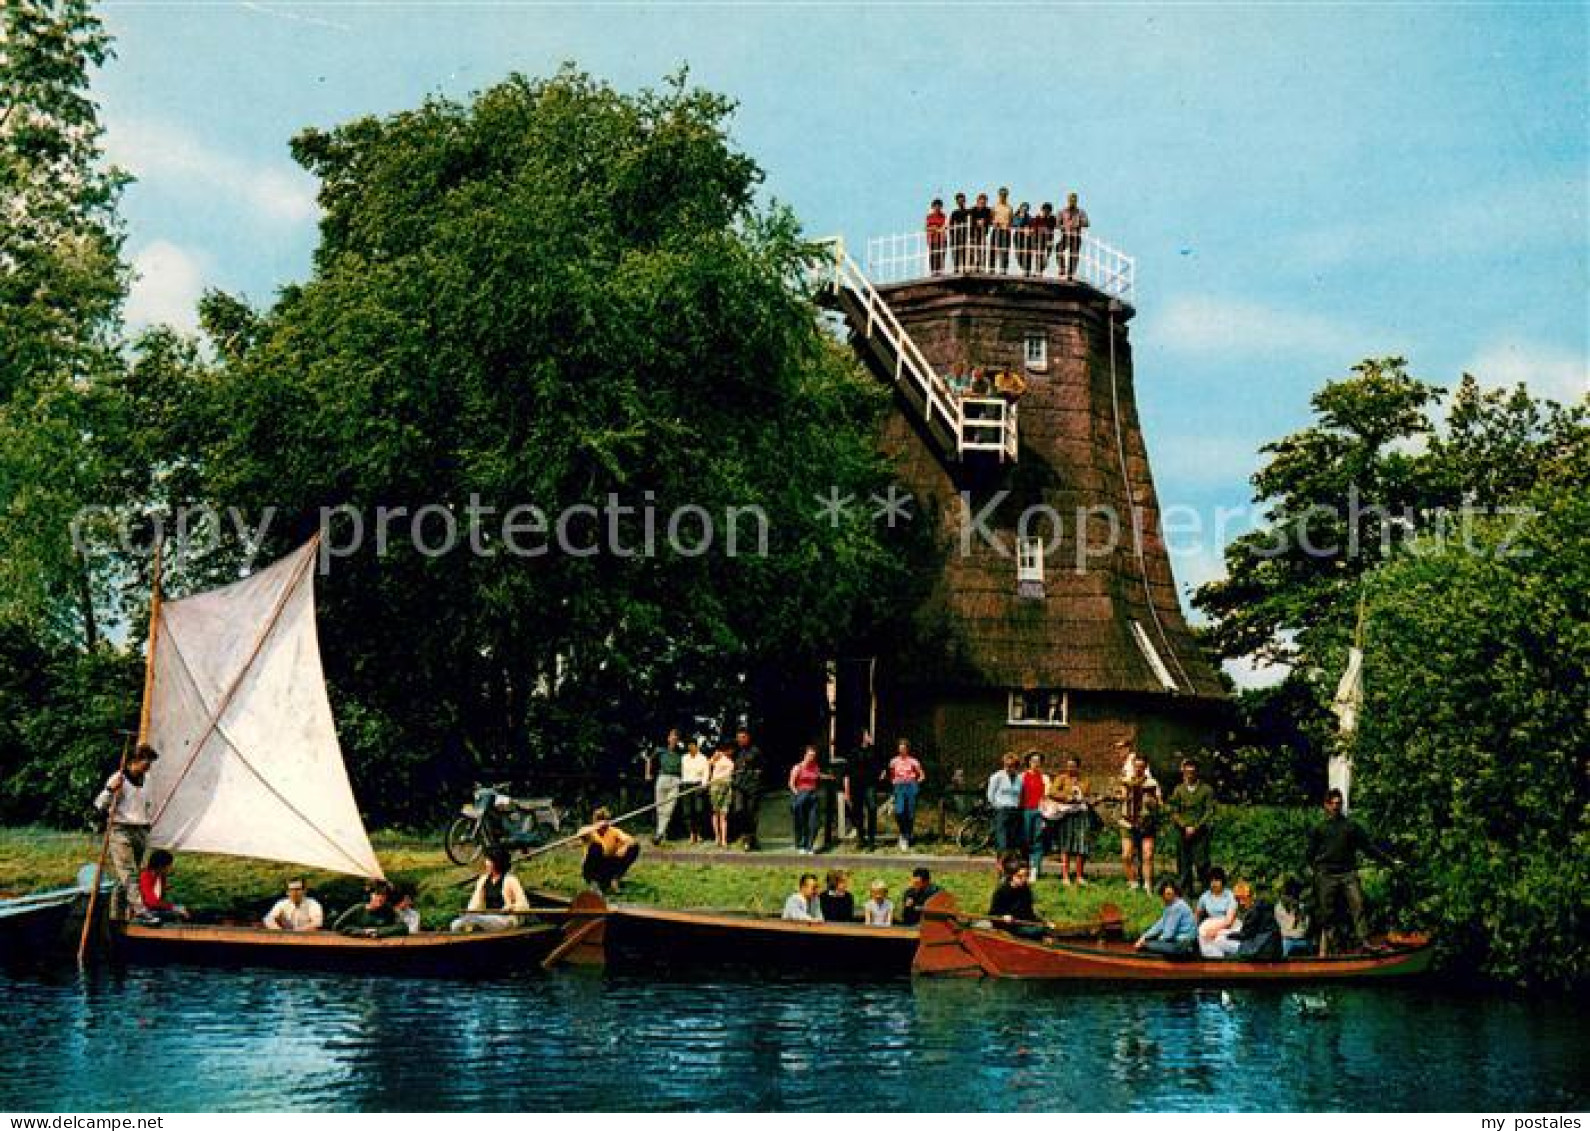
(372, 919)
(498, 898)
(1217, 915)
(803, 905)
(1257, 937)
(1291, 915)
(1175, 933)
(838, 905)
(403, 907)
(296, 911)
(878, 911)
(154, 886)
(917, 893)
(609, 852)
(1011, 907)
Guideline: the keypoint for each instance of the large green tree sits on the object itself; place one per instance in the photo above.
(551, 295)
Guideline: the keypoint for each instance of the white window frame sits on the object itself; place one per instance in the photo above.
(1029, 560)
(1016, 708)
(1035, 360)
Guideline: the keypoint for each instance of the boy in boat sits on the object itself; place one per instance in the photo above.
(609, 852)
(1011, 907)
(1175, 933)
(879, 908)
(154, 887)
(129, 808)
(295, 911)
(1333, 848)
(803, 906)
(497, 900)
(373, 919)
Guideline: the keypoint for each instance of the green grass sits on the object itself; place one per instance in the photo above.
(35, 858)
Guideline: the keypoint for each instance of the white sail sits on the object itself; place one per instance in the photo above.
(249, 759)
(1347, 705)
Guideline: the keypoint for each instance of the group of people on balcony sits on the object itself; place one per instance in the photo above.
(996, 238)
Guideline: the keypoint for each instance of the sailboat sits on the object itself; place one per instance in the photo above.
(235, 702)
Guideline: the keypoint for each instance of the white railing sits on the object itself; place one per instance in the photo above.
(989, 429)
(910, 256)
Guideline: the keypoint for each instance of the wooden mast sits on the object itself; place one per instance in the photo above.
(143, 736)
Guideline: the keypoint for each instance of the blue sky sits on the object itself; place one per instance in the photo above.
(1302, 185)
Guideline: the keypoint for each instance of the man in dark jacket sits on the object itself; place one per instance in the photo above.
(917, 893)
(865, 790)
(1259, 939)
(748, 768)
(1011, 907)
(1333, 848)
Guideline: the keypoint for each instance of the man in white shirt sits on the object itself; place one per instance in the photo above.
(297, 911)
(129, 807)
(802, 905)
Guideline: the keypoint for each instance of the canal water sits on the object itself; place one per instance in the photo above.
(178, 1039)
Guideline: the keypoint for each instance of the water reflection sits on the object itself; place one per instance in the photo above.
(259, 1040)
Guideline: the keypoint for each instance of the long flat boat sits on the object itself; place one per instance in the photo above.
(632, 936)
(429, 953)
(41, 924)
(955, 945)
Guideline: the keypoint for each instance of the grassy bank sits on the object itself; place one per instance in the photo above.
(221, 886)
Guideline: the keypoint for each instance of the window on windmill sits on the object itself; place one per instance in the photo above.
(1029, 560)
(1146, 646)
(1036, 349)
(1043, 707)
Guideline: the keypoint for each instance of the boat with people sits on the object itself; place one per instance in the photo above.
(247, 763)
(641, 937)
(954, 944)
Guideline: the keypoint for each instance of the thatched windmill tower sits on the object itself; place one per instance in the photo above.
(1054, 623)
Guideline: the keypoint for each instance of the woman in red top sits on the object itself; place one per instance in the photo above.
(936, 224)
(1033, 787)
(804, 778)
(907, 776)
(152, 885)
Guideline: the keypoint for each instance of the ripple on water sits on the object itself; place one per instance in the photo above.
(245, 1040)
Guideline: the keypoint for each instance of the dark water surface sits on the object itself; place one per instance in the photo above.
(179, 1039)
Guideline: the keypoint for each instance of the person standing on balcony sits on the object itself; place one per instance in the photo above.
(960, 231)
(1000, 218)
(1072, 221)
(982, 218)
(1021, 237)
(1042, 238)
(935, 224)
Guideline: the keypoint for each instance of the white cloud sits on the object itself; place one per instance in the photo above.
(162, 153)
(168, 283)
(1207, 324)
(1549, 371)
(1249, 675)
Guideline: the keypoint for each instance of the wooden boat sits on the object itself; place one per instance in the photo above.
(632, 936)
(955, 945)
(431, 953)
(235, 702)
(39, 925)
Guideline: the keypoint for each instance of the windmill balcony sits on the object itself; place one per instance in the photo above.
(910, 257)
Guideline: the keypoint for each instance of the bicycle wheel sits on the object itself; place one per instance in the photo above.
(459, 842)
(975, 834)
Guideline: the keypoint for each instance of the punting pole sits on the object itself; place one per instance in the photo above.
(121, 770)
(620, 819)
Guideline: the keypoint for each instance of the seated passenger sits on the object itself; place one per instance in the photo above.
(609, 852)
(1011, 907)
(878, 911)
(1291, 914)
(838, 905)
(497, 897)
(1258, 937)
(407, 914)
(373, 919)
(803, 906)
(918, 891)
(296, 911)
(1175, 932)
(1217, 915)
(154, 887)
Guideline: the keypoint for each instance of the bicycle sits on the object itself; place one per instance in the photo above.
(974, 832)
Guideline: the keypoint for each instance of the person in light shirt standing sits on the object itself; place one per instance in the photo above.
(906, 776)
(295, 911)
(129, 807)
